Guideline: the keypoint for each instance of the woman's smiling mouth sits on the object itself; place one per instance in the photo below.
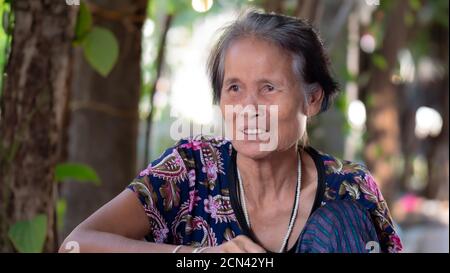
(254, 131)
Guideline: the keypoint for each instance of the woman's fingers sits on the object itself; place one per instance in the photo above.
(239, 244)
(246, 245)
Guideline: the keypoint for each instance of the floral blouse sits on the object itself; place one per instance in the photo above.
(187, 193)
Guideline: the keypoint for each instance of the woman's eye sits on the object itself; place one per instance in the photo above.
(269, 88)
(233, 88)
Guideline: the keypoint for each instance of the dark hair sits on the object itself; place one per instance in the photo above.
(298, 37)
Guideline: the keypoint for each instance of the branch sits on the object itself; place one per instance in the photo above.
(159, 64)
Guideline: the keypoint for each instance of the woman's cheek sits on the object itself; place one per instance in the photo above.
(291, 123)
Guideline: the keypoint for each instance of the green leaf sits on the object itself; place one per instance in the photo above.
(157, 8)
(346, 127)
(370, 100)
(379, 61)
(342, 103)
(29, 236)
(170, 7)
(76, 171)
(61, 207)
(84, 22)
(409, 19)
(379, 152)
(415, 4)
(101, 49)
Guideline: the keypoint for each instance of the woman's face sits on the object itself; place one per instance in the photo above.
(260, 73)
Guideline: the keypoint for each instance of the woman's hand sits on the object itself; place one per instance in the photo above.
(239, 244)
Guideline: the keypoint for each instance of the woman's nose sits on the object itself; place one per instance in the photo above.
(250, 105)
(251, 99)
(255, 108)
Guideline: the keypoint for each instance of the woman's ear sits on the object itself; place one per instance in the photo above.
(315, 99)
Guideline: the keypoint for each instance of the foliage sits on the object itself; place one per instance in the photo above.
(28, 236)
(5, 35)
(76, 171)
(100, 46)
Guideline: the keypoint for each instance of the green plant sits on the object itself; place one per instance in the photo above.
(28, 236)
(100, 46)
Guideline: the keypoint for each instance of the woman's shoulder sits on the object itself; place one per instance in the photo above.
(350, 180)
(187, 154)
(179, 168)
(203, 144)
(183, 182)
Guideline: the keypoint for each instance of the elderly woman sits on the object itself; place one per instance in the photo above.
(209, 194)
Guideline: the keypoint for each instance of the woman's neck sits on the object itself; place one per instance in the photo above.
(271, 178)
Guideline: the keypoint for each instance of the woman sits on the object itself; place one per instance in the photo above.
(214, 195)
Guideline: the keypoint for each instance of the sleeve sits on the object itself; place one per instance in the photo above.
(365, 191)
(159, 188)
(381, 216)
(339, 226)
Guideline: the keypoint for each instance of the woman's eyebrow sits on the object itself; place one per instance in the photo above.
(231, 80)
(265, 80)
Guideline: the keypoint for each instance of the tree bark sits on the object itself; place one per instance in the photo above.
(383, 143)
(273, 6)
(307, 9)
(104, 112)
(33, 113)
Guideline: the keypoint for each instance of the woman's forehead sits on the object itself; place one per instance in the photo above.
(251, 47)
(256, 57)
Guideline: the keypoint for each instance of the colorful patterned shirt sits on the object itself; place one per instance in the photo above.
(189, 194)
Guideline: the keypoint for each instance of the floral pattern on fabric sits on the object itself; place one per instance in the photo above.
(349, 180)
(185, 194)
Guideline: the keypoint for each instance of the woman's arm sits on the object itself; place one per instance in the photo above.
(120, 226)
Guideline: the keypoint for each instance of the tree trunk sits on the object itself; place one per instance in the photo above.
(307, 9)
(437, 155)
(158, 67)
(383, 145)
(273, 6)
(104, 112)
(33, 108)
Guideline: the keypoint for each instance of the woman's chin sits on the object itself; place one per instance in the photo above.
(251, 148)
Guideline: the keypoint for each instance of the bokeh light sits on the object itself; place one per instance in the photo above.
(428, 122)
(357, 114)
(202, 5)
(367, 43)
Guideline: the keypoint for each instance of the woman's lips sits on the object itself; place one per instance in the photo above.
(253, 131)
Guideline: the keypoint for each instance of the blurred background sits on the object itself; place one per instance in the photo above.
(89, 90)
